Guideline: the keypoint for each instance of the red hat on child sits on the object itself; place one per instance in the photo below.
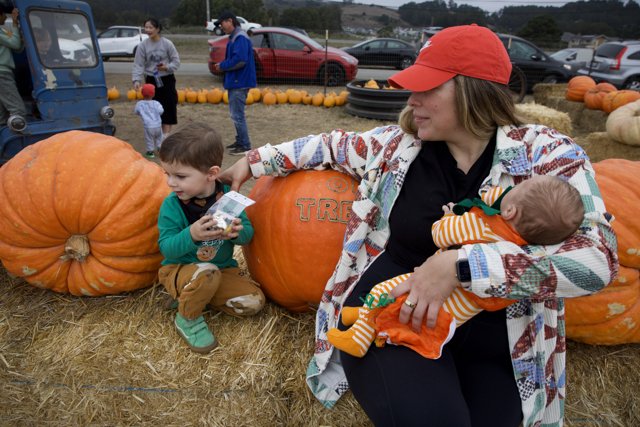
(148, 90)
(467, 50)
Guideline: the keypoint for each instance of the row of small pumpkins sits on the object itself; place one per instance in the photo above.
(82, 245)
(266, 95)
(598, 96)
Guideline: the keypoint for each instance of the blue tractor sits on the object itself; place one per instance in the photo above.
(59, 74)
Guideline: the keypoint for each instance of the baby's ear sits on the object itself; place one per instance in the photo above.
(509, 212)
(213, 173)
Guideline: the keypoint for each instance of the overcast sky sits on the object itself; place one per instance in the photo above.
(488, 5)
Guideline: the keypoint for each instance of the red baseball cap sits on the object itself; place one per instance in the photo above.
(148, 90)
(468, 50)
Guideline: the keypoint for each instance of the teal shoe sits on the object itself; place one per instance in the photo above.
(196, 333)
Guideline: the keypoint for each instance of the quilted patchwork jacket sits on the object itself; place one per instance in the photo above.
(539, 277)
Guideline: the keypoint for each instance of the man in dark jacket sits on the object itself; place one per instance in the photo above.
(239, 76)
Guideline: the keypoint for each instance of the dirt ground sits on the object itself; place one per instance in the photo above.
(267, 124)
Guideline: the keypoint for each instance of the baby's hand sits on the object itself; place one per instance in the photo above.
(448, 208)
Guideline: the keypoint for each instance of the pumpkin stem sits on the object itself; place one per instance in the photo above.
(77, 247)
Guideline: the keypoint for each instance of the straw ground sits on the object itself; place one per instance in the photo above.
(118, 360)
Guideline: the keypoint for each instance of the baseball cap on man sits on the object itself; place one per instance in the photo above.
(467, 50)
(224, 16)
(148, 90)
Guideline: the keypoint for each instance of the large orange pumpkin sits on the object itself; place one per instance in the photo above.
(619, 183)
(578, 86)
(611, 316)
(79, 215)
(299, 222)
(593, 97)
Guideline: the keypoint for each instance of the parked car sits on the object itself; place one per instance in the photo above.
(617, 63)
(537, 66)
(574, 58)
(244, 24)
(285, 54)
(384, 52)
(120, 41)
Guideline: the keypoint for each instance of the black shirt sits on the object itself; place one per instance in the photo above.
(195, 208)
(433, 180)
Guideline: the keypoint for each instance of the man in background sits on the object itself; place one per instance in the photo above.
(239, 76)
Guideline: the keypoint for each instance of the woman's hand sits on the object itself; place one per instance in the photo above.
(237, 174)
(136, 85)
(429, 286)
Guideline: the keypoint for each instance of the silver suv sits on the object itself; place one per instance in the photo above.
(617, 63)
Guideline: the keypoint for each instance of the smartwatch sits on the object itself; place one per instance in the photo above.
(463, 272)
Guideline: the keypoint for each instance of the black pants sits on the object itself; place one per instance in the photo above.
(168, 97)
(472, 384)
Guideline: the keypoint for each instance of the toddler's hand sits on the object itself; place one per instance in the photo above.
(448, 208)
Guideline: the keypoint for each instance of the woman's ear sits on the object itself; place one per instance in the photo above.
(213, 173)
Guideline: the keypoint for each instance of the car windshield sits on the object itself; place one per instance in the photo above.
(564, 55)
(310, 41)
(58, 36)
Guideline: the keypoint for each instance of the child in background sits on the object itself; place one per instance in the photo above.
(198, 267)
(542, 210)
(150, 111)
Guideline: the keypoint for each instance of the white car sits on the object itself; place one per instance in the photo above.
(244, 24)
(75, 51)
(120, 41)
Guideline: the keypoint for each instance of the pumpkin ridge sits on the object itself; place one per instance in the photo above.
(130, 203)
(90, 209)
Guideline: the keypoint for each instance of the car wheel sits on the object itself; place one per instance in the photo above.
(553, 79)
(405, 62)
(134, 51)
(218, 31)
(632, 83)
(335, 75)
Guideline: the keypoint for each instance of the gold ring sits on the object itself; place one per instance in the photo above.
(410, 304)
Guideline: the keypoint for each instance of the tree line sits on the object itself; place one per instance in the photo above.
(614, 18)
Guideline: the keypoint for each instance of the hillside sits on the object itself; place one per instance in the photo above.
(370, 16)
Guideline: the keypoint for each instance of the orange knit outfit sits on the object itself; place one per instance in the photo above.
(373, 321)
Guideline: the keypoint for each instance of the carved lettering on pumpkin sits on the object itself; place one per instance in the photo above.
(324, 209)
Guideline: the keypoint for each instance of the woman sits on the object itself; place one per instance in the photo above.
(458, 134)
(155, 62)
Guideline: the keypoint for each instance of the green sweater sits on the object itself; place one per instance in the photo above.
(9, 40)
(175, 239)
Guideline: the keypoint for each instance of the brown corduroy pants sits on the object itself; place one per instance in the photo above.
(196, 285)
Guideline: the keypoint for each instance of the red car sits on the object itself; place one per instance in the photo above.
(285, 54)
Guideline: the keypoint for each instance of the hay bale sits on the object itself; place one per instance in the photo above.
(545, 91)
(536, 113)
(118, 361)
(592, 120)
(599, 146)
(574, 109)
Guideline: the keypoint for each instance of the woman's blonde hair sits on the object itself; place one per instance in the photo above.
(482, 106)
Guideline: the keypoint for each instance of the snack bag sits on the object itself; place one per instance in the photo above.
(223, 211)
(229, 206)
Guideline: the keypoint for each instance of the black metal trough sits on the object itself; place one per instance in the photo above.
(371, 103)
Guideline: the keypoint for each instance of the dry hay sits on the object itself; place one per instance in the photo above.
(599, 146)
(543, 91)
(536, 113)
(118, 361)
